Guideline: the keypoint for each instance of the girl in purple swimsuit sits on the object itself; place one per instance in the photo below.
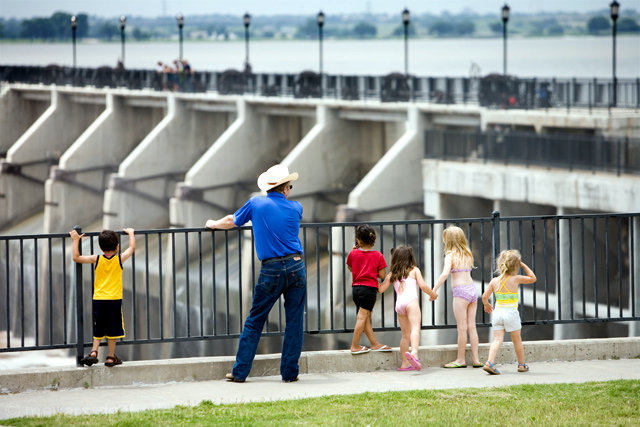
(458, 262)
(405, 275)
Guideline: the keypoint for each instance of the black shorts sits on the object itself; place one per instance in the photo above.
(364, 296)
(107, 319)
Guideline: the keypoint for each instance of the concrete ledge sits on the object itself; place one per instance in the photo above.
(214, 368)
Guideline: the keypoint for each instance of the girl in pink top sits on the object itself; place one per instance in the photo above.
(458, 262)
(405, 275)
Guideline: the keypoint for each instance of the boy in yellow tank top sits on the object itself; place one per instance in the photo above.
(107, 291)
(505, 317)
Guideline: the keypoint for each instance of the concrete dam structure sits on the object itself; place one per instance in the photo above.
(114, 158)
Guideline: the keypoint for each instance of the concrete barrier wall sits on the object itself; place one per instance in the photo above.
(49, 136)
(227, 172)
(79, 179)
(18, 110)
(574, 190)
(138, 195)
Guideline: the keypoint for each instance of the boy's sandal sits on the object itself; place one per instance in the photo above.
(454, 365)
(478, 365)
(90, 358)
(523, 367)
(113, 361)
(383, 347)
(491, 368)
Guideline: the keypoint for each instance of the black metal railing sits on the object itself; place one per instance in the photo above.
(566, 151)
(193, 285)
(496, 91)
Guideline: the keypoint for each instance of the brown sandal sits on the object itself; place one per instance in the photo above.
(90, 358)
(113, 361)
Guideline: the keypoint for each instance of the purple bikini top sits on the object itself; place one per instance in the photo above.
(460, 270)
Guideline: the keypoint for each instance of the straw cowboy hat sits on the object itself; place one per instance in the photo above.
(274, 176)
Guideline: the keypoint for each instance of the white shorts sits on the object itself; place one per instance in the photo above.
(506, 318)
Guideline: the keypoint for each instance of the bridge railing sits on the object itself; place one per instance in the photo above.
(495, 91)
(193, 285)
(567, 151)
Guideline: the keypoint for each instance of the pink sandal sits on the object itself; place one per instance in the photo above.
(413, 361)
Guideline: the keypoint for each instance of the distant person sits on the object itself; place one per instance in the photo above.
(367, 266)
(276, 226)
(188, 76)
(505, 316)
(458, 262)
(405, 275)
(179, 75)
(107, 291)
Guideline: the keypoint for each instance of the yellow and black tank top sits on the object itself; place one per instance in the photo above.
(108, 278)
(504, 297)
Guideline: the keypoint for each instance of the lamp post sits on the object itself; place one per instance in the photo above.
(320, 25)
(615, 8)
(405, 21)
(505, 19)
(247, 20)
(180, 20)
(122, 22)
(74, 24)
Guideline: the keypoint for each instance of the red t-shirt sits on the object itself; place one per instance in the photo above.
(365, 266)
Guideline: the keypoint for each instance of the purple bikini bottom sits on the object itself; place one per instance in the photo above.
(467, 292)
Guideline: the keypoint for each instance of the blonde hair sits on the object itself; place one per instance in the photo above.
(455, 244)
(508, 262)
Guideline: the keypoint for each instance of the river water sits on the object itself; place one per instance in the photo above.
(564, 57)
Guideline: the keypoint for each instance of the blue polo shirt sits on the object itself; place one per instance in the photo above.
(276, 224)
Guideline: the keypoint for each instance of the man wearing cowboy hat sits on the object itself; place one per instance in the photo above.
(276, 224)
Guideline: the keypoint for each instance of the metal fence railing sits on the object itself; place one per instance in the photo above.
(186, 285)
(496, 91)
(566, 151)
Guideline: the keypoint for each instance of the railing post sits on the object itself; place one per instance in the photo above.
(79, 306)
(495, 237)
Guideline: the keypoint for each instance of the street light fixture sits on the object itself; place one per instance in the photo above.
(180, 20)
(74, 24)
(123, 19)
(615, 9)
(505, 19)
(320, 25)
(320, 19)
(247, 20)
(405, 21)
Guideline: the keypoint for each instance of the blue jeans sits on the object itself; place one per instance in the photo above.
(288, 278)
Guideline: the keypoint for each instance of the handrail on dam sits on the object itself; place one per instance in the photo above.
(567, 151)
(493, 90)
(191, 284)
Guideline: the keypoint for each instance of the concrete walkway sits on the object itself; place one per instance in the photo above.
(269, 388)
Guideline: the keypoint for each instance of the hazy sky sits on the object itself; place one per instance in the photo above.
(108, 8)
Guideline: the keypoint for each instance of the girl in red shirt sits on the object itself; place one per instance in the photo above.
(366, 266)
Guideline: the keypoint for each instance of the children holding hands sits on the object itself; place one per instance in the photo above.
(458, 262)
(405, 275)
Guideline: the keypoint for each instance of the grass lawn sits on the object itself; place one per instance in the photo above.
(596, 403)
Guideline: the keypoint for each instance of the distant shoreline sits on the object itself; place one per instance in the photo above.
(90, 41)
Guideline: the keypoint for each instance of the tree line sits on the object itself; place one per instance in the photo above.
(57, 26)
